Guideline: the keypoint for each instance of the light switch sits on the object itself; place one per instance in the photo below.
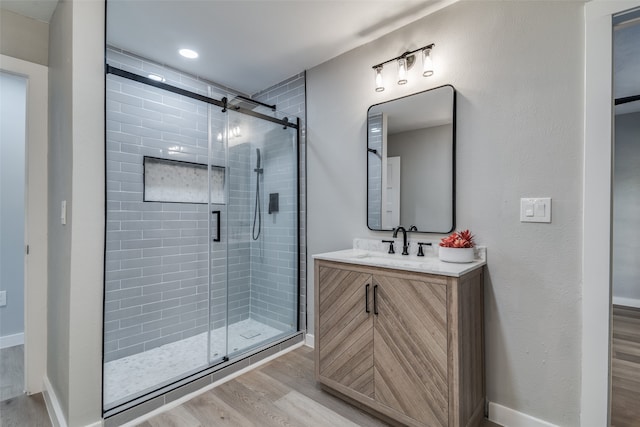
(535, 209)
(528, 209)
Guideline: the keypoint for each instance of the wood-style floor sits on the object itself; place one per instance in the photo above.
(23, 411)
(16, 408)
(625, 367)
(11, 372)
(280, 393)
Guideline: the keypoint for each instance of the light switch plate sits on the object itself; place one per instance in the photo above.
(535, 209)
(3, 298)
(63, 212)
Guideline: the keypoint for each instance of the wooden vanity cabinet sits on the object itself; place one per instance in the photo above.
(406, 345)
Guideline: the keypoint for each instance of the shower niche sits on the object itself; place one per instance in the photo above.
(174, 181)
(200, 272)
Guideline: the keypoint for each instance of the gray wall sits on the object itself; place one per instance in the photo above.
(60, 188)
(13, 108)
(626, 209)
(24, 38)
(76, 171)
(520, 134)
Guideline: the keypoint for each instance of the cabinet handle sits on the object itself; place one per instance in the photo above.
(366, 298)
(375, 300)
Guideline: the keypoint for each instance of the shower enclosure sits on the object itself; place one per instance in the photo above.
(201, 257)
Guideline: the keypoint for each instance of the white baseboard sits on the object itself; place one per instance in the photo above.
(53, 405)
(508, 417)
(628, 302)
(55, 410)
(309, 340)
(12, 340)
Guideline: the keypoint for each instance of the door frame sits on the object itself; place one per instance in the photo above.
(596, 243)
(35, 274)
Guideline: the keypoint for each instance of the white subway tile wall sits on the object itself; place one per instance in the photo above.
(290, 98)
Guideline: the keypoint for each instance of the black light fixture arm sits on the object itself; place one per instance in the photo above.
(404, 55)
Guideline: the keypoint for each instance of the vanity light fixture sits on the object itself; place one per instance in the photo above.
(188, 53)
(379, 85)
(427, 62)
(405, 62)
(402, 70)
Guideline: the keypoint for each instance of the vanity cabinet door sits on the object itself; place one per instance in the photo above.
(410, 348)
(345, 347)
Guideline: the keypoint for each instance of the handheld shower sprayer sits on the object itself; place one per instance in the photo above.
(258, 168)
(257, 212)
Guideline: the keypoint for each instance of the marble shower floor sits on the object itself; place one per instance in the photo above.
(131, 375)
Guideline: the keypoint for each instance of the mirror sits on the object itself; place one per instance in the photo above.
(411, 162)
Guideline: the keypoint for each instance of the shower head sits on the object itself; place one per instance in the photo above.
(242, 102)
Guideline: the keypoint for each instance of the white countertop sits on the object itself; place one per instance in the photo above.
(429, 264)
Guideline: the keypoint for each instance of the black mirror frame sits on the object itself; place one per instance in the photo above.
(453, 166)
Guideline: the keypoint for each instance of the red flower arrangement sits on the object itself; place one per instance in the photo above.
(459, 239)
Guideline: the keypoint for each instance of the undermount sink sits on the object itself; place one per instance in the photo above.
(422, 264)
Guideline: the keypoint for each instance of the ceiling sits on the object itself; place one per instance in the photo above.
(247, 45)
(250, 45)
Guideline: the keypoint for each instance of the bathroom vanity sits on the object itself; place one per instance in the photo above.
(401, 336)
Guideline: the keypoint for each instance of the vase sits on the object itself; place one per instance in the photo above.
(456, 254)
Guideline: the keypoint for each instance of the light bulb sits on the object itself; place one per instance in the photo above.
(188, 53)
(379, 84)
(402, 71)
(427, 62)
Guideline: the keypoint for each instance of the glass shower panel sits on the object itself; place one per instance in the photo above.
(158, 246)
(262, 230)
(218, 236)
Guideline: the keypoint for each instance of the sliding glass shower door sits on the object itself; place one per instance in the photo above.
(261, 231)
(158, 288)
(201, 257)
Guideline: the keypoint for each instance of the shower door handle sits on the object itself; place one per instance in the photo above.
(217, 214)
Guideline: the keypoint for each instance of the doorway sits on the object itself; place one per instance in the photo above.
(13, 124)
(625, 338)
(597, 221)
(34, 234)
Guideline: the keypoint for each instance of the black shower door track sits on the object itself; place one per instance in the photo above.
(627, 99)
(220, 103)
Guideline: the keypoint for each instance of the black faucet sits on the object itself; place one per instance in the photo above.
(405, 246)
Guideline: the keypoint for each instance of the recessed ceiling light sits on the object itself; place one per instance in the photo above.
(188, 53)
(156, 77)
